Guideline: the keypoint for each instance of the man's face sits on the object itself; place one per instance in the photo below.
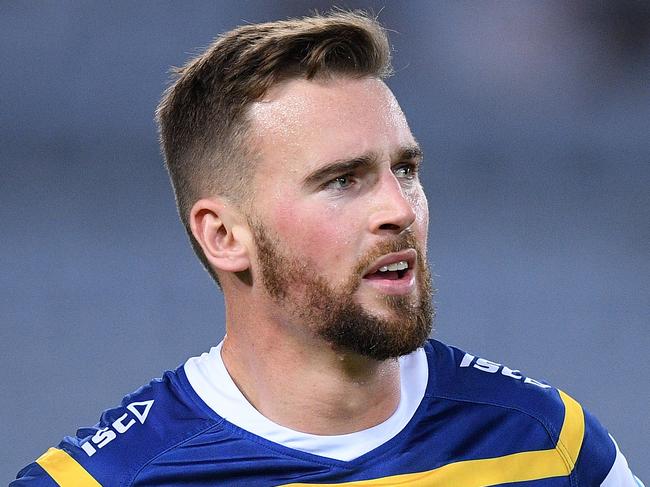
(339, 216)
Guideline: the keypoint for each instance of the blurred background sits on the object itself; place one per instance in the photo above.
(535, 121)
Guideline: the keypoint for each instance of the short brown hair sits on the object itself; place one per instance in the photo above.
(202, 115)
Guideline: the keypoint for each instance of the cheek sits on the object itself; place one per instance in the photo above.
(421, 209)
(318, 232)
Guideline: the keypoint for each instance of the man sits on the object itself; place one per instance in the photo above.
(296, 177)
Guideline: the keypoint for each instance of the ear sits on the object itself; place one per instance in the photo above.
(215, 224)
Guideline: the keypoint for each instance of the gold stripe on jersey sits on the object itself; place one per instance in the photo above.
(573, 430)
(65, 470)
(517, 467)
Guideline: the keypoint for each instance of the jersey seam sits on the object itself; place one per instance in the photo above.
(250, 436)
(175, 444)
(564, 455)
(284, 450)
(548, 427)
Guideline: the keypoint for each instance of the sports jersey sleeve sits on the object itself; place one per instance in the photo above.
(33, 475)
(588, 454)
(53, 469)
(95, 456)
(599, 448)
(148, 422)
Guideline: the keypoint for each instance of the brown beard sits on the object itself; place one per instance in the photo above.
(332, 313)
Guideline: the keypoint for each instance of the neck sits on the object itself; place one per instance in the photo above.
(303, 384)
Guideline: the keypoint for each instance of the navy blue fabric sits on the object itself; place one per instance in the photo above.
(33, 476)
(596, 447)
(469, 412)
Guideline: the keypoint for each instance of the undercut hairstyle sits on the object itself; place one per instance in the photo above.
(202, 116)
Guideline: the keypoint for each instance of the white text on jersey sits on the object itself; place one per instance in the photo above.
(121, 425)
(493, 367)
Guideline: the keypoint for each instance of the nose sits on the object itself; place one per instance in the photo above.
(394, 210)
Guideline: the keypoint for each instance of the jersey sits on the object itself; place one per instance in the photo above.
(462, 421)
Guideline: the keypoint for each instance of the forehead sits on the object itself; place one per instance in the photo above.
(302, 124)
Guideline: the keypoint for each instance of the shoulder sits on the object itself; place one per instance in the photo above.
(467, 377)
(149, 421)
(561, 423)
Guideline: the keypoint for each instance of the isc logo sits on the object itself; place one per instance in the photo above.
(139, 410)
(493, 368)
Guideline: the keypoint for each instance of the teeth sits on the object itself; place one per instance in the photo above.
(397, 266)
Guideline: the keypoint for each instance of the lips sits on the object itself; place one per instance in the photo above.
(408, 256)
(381, 279)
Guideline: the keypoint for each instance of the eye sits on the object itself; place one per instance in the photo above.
(340, 182)
(406, 171)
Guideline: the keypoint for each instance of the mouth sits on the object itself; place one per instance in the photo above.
(396, 270)
(393, 273)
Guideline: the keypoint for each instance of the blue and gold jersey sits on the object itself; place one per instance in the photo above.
(475, 423)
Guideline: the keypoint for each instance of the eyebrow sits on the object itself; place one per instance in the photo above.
(342, 166)
(409, 153)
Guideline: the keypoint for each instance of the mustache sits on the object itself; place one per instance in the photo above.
(398, 243)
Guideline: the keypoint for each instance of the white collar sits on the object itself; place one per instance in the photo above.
(209, 378)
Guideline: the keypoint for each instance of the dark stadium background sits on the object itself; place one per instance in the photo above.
(535, 121)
